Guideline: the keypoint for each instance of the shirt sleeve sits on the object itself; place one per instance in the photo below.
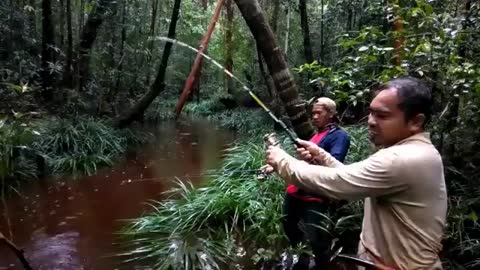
(373, 177)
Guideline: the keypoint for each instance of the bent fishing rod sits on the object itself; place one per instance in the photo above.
(290, 133)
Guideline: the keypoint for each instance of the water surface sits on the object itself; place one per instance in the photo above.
(64, 223)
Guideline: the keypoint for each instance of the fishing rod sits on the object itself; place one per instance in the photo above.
(196, 175)
(290, 133)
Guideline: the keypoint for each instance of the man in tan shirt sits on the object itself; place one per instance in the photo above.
(402, 183)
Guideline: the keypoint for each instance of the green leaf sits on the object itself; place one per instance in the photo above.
(363, 48)
(349, 43)
(477, 88)
(473, 216)
(427, 47)
(428, 8)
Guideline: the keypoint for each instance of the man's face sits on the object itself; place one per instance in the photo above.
(386, 122)
(321, 117)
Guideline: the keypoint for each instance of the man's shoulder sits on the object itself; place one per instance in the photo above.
(414, 155)
(339, 131)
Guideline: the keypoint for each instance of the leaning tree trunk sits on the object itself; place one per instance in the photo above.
(48, 45)
(277, 65)
(136, 112)
(198, 60)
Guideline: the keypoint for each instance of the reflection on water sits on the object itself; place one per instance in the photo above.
(70, 224)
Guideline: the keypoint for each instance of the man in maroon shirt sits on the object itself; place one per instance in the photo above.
(300, 205)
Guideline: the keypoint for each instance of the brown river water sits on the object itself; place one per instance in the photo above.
(67, 224)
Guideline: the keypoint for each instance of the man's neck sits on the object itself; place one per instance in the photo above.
(324, 128)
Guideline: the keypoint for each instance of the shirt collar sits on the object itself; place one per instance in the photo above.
(423, 137)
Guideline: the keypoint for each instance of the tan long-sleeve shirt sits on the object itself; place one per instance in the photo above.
(405, 199)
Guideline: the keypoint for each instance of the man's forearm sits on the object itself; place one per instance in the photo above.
(369, 178)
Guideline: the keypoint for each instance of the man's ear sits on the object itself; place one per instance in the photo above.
(417, 122)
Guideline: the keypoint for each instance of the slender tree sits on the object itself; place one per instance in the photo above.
(229, 44)
(88, 37)
(48, 50)
(136, 112)
(307, 47)
(68, 76)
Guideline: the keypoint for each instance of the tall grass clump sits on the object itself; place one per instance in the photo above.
(16, 152)
(234, 214)
(82, 145)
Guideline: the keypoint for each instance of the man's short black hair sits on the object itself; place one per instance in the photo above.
(415, 96)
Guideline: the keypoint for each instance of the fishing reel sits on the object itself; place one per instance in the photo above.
(265, 171)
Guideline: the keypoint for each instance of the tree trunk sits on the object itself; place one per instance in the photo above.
(204, 4)
(229, 45)
(68, 76)
(32, 19)
(109, 97)
(307, 47)
(48, 51)
(322, 38)
(277, 65)
(274, 18)
(136, 112)
(81, 16)
(151, 35)
(267, 79)
(62, 23)
(89, 34)
(196, 65)
(122, 44)
(398, 43)
(453, 117)
(287, 31)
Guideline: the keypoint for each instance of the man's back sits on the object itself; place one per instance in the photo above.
(405, 228)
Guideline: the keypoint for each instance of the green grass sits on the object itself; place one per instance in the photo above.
(16, 150)
(82, 145)
(233, 211)
(78, 146)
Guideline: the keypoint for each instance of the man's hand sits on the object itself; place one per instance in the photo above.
(274, 155)
(310, 152)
